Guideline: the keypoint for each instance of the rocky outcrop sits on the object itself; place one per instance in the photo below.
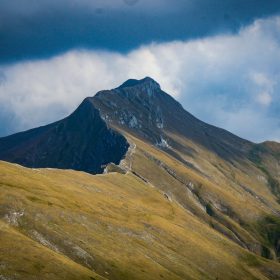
(143, 109)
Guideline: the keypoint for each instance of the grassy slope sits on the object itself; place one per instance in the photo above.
(23, 258)
(238, 196)
(62, 224)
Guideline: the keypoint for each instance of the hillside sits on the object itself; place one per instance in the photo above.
(175, 198)
(71, 225)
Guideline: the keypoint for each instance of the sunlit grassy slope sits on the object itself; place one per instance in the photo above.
(59, 224)
(234, 198)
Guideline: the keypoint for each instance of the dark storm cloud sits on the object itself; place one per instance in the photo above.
(32, 29)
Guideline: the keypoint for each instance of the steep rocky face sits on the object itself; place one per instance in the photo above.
(81, 141)
(133, 106)
(142, 108)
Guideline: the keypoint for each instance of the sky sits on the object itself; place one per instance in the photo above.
(219, 58)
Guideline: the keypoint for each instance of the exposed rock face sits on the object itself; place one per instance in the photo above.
(81, 141)
(142, 108)
(133, 106)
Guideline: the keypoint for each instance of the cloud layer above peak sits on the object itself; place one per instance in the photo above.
(231, 81)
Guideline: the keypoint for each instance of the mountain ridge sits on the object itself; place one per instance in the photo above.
(139, 107)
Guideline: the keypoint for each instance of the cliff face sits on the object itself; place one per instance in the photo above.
(81, 141)
(142, 108)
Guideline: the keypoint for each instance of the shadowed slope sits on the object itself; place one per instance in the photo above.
(81, 141)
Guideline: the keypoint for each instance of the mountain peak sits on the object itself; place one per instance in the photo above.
(146, 82)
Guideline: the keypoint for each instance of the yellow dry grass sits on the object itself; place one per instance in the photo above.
(59, 224)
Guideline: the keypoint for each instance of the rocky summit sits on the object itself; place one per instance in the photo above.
(161, 195)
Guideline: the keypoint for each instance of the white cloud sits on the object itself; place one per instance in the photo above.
(231, 81)
(264, 98)
(264, 88)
